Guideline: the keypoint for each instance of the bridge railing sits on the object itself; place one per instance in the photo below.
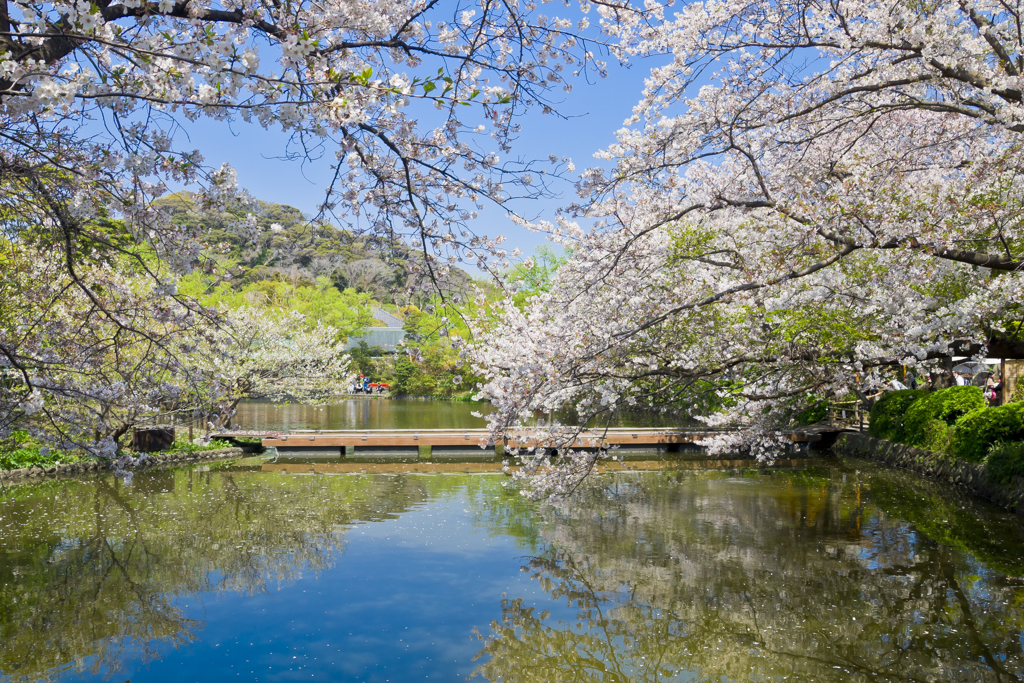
(849, 414)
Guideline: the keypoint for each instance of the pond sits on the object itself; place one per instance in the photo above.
(838, 572)
(365, 412)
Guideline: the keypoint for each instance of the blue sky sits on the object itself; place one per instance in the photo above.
(595, 110)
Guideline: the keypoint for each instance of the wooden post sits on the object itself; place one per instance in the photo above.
(1002, 382)
(1013, 368)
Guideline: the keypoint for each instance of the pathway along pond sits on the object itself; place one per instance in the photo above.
(839, 572)
(364, 412)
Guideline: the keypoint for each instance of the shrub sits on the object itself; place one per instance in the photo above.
(888, 411)
(938, 436)
(947, 405)
(978, 430)
(422, 385)
(405, 371)
(1005, 460)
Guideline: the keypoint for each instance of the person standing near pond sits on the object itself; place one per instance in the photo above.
(993, 390)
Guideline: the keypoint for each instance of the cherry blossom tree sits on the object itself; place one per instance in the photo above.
(82, 365)
(272, 355)
(81, 371)
(807, 194)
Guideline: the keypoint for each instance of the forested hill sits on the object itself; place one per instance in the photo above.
(290, 248)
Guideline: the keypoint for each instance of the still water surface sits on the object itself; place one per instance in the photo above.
(397, 413)
(840, 572)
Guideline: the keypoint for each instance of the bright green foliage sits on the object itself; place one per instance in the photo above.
(888, 412)
(405, 370)
(435, 338)
(533, 276)
(362, 359)
(21, 450)
(183, 445)
(347, 311)
(938, 436)
(411, 380)
(1005, 460)
(947, 405)
(978, 430)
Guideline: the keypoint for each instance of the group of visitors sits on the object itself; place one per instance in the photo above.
(363, 385)
(991, 383)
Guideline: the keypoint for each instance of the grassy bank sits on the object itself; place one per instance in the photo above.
(22, 450)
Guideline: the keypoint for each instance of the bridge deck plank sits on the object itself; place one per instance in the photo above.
(473, 437)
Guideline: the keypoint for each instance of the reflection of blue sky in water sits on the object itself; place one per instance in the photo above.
(400, 604)
(256, 576)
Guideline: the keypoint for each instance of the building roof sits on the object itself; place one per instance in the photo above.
(388, 319)
(386, 338)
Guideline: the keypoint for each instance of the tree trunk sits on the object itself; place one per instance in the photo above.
(943, 378)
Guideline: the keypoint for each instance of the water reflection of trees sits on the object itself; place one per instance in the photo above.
(92, 573)
(796, 576)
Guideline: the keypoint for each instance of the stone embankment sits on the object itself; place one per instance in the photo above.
(971, 476)
(98, 466)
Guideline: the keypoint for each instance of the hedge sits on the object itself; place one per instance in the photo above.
(947, 405)
(979, 429)
(1005, 461)
(887, 413)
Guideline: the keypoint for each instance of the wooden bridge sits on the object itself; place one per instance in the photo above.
(466, 445)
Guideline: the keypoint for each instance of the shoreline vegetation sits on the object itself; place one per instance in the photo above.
(950, 435)
(90, 466)
(30, 453)
(957, 425)
(954, 422)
